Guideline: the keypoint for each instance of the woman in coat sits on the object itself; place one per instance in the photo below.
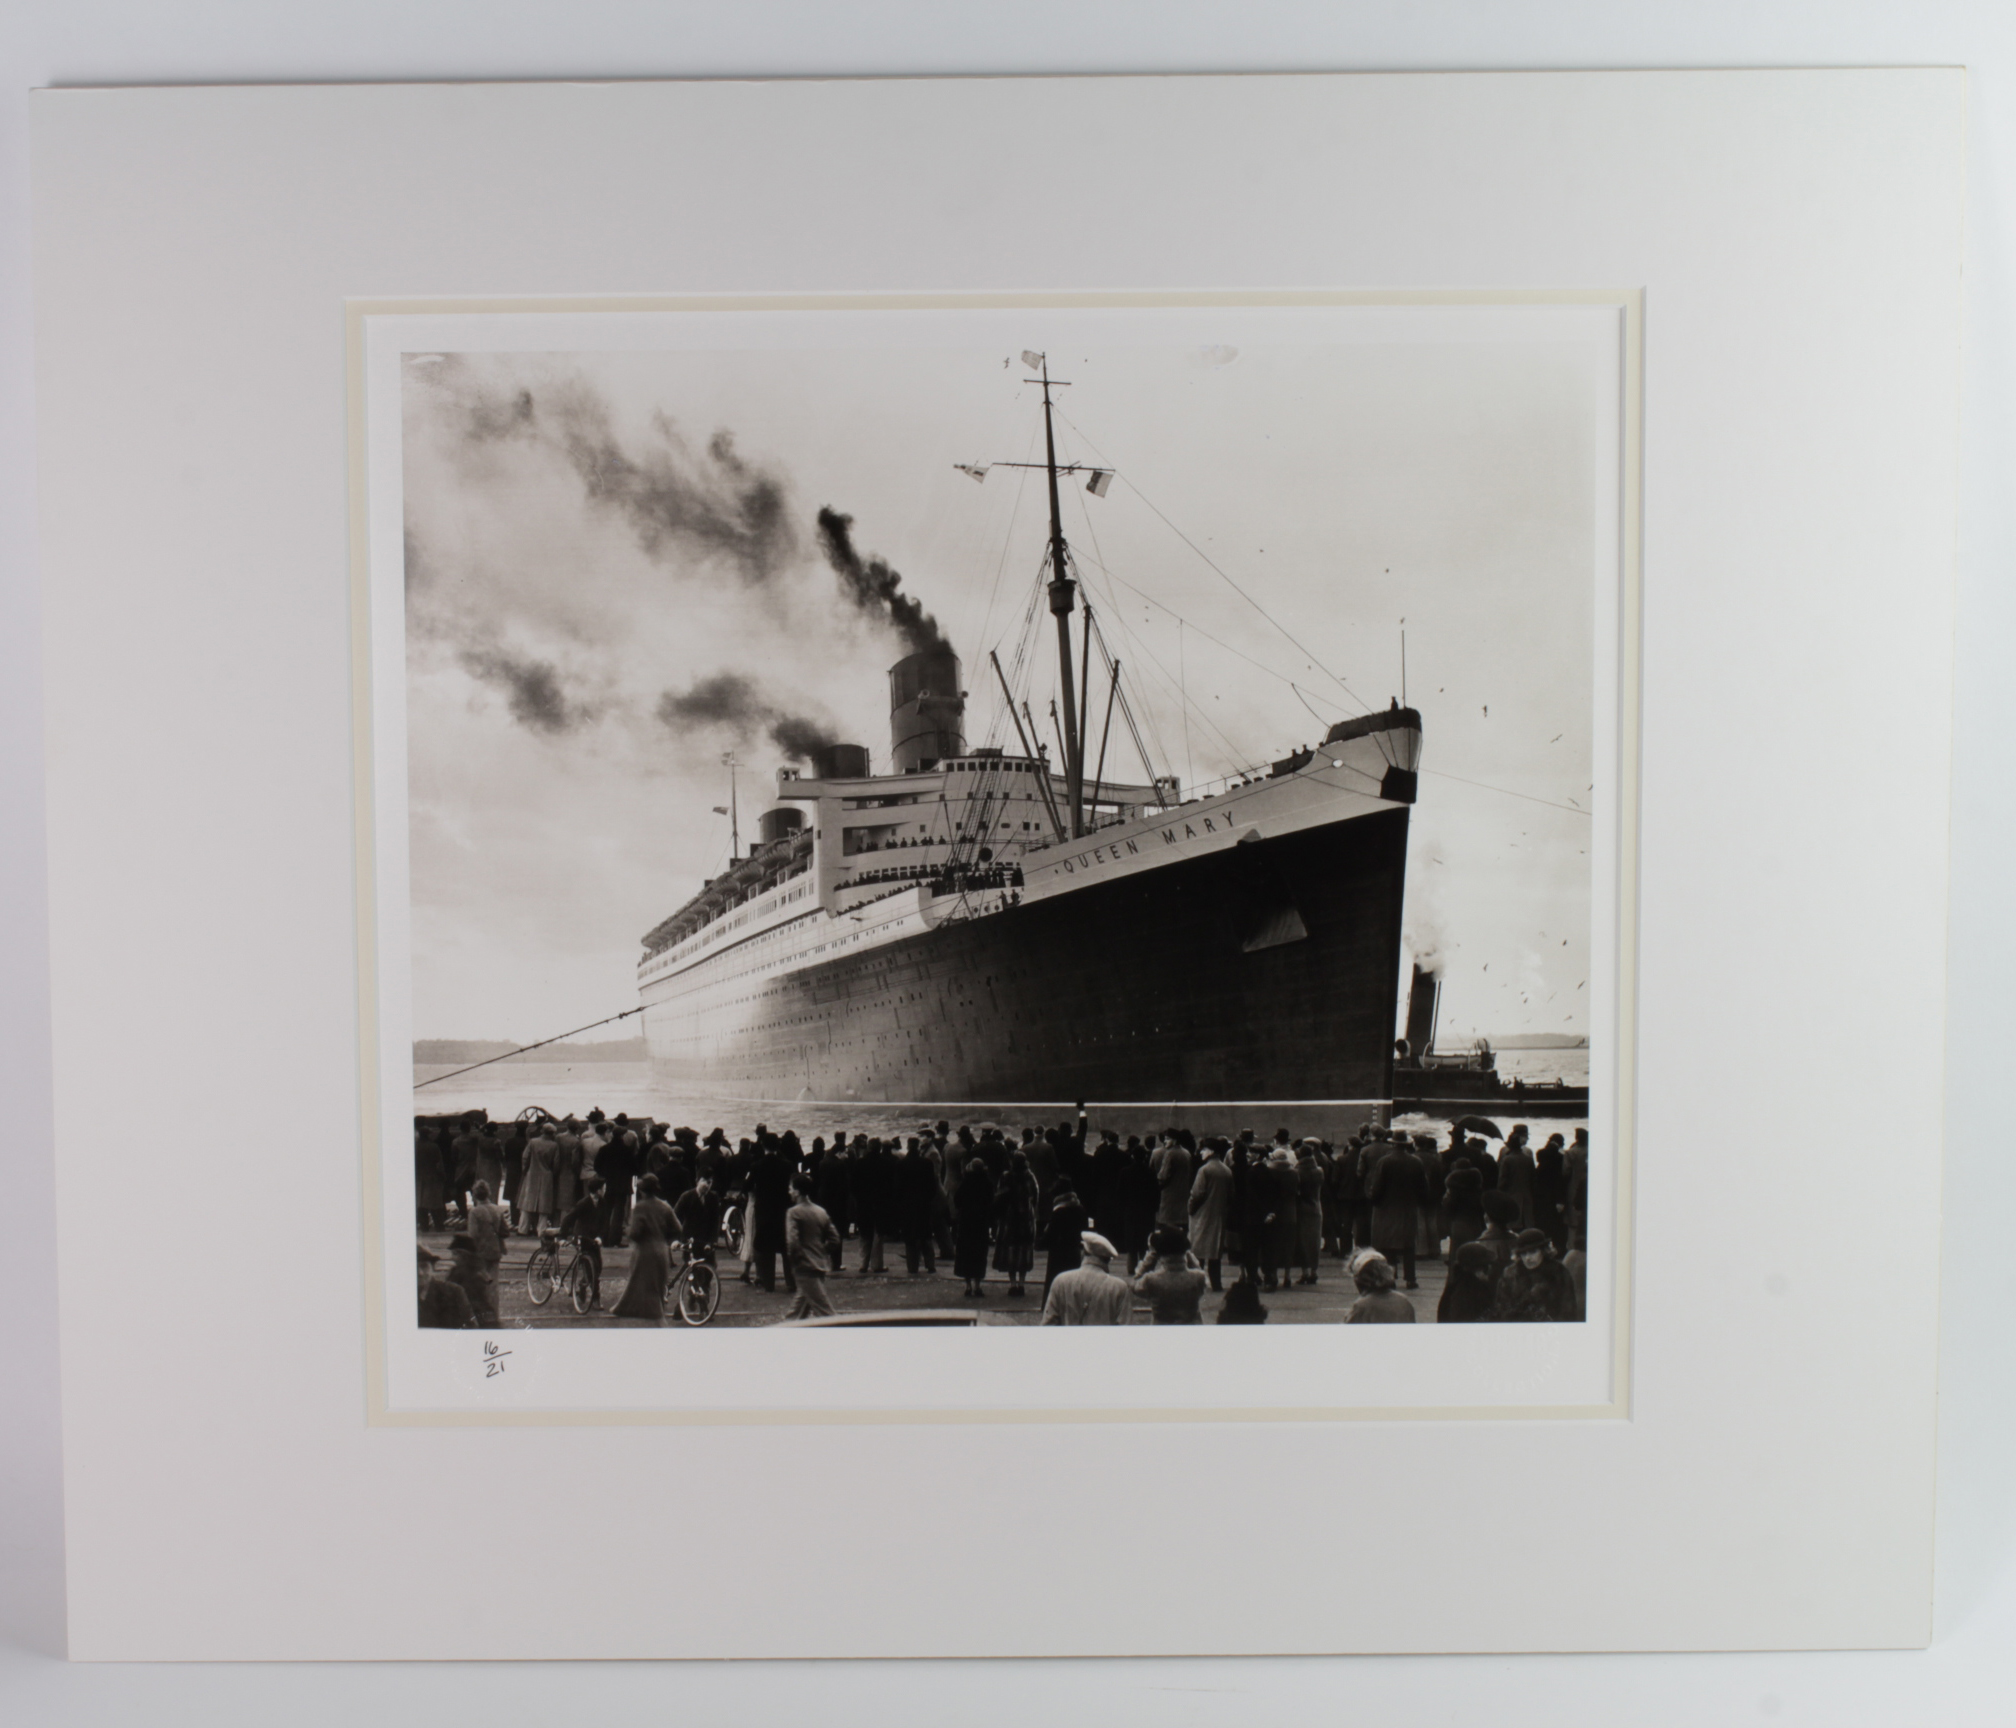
(1140, 1200)
(1282, 1188)
(1535, 1286)
(1210, 1207)
(1472, 1286)
(1308, 1213)
(1015, 1223)
(651, 1232)
(972, 1221)
(1463, 1206)
(1550, 1192)
(1378, 1302)
(1515, 1173)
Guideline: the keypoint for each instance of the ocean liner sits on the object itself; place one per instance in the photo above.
(986, 926)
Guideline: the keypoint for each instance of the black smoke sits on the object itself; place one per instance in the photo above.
(732, 703)
(873, 587)
(532, 687)
(679, 503)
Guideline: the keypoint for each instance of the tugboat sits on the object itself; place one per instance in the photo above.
(987, 925)
(1439, 1084)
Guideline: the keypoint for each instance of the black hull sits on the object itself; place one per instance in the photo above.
(1269, 972)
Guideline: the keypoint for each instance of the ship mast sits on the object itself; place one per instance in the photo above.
(1063, 596)
(734, 816)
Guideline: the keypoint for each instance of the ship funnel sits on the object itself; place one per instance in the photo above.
(840, 762)
(927, 710)
(775, 825)
(1423, 1007)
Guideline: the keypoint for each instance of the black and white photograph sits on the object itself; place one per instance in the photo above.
(957, 832)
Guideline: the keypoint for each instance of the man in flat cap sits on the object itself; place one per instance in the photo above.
(1089, 1294)
(441, 1303)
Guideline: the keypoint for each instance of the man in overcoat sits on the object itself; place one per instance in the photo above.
(1210, 1208)
(1089, 1294)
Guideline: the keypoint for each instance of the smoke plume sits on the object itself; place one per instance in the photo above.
(675, 501)
(681, 504)
(873, 587)
(732, 703)
(532, 687)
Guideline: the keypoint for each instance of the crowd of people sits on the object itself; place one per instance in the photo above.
(1158, 1221)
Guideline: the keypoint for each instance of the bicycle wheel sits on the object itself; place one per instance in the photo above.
(541, 1276)
(699, 1294)
(580, 1284)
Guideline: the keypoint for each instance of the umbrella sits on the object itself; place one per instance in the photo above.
(1478, 1125)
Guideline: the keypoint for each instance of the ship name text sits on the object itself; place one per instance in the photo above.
(1114, 851)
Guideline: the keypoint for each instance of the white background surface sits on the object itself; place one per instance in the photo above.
(1957, 1681)
(1799, 238)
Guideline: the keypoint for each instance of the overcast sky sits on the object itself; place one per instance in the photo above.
(615, 573)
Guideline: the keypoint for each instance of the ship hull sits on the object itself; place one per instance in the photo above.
(1267, 972)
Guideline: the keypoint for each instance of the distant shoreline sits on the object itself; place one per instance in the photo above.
(447, 1052)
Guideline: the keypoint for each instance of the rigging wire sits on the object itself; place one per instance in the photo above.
(520, 1051)
(1485, 786)
(1099, 563)
(1232, 753)
(1221, 573)
(1007, 538)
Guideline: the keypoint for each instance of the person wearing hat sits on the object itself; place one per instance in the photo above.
(1211, 1208)
(1550, 1191)
(466, 1273)
(651, 1231)
(1015, 1203)
(972, 1224)
(1536, 1286)
(488, 1227)
(1063, 1234)
(441, 1303)
(430, 1176)
(1515, 1171)
(1428, 1238)
(539, 1195)
(1501, 1225)
(1308, 1209)
(1242, 1305)
(1174, 1165)
(1279, 1189)
(584, 1220)
(1472, 1286)
(1171, 1279)
(1463, 1206)
(1089, 1294)
(1398, 1187)
(1378, 1302)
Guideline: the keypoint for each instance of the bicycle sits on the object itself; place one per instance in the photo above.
(693, 1289)
(545, 1274)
